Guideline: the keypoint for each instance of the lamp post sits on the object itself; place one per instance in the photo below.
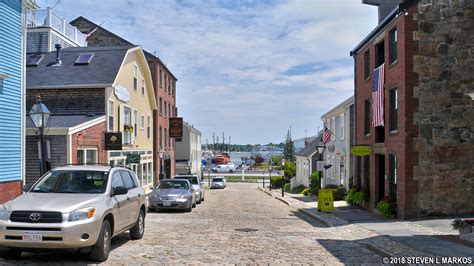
(320, 148)
(283, 178)
(270, 170)
(161, 153)
(39, 116)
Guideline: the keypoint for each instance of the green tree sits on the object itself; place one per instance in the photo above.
(290, 170)
(275, 160)
(289, 149)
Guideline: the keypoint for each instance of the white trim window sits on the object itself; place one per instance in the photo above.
(110, 116)
(148, 125)
(333, 128)
(342, 123)
(127, 115)
(87, 156)
(142, 122)
(143, 87)
(135, 77)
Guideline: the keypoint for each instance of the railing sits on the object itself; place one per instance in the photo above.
(47, 18)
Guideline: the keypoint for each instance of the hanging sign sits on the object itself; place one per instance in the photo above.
(122, 93)
(132, 158)
(320, 166)
(360, 151)
(176, 127)
(113, 141)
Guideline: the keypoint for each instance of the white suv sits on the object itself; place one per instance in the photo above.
(74, 207)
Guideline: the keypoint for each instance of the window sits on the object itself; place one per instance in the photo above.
(169, 109)
(128, 181)
(135, 122)
(174, 111)
(169, 85)
(84, 59)
(87, 156)
(135, 78)
(393, 110)
(174, 88)
(34, 60)
(161, 107)
(341, 126)
(161, 137)
(110, 116)
(333, 128)
(117, 180)
(161, 78)
(165, 81)
(166, 110)
(148, 129)
(367, 117)
(166, 137)
(143, 87)
(367, 64)
(142, 121)
(380, 55)
(127, 116)
(393, 46)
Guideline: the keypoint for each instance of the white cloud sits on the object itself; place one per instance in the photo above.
(231, 57)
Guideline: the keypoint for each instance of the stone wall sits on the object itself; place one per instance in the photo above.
(445, 116)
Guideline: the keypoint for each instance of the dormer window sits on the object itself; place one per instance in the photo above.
(84, 59)
(34, 60)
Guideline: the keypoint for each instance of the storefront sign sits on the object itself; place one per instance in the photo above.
(325, 200)
(122, 93)
(113, 141)
(176, 127)
(132, 158)
(320, 166)
(360, 151)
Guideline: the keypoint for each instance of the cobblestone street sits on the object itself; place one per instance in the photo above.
(239, 224)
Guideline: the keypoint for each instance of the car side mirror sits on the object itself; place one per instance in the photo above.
(26, 187)
(119, 191)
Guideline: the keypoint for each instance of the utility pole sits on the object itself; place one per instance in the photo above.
(229, 142)
(217, 142)
(223, 142)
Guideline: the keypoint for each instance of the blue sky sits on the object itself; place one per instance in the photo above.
(248, 68)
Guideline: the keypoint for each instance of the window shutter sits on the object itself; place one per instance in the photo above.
(121, 123)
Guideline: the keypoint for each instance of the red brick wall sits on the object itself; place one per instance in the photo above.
(10, 190)
(397, 75)
(90, 137)
(160, 119)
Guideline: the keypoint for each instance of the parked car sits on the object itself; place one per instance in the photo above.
(198, 186)
(218, 182)
(80, 207)
(173, 194)
(224, 168)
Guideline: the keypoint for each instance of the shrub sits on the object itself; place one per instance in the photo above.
(314, 183)
(355, 197)
(339, 191)
(287, 187)
(385, 208)
(298, 189)
(306, 191)
(290, 170)
(276, 181)
(460, 224)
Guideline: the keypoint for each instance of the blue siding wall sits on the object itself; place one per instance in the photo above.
(10, 96)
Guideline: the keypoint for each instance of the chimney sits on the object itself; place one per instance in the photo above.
(58, 54)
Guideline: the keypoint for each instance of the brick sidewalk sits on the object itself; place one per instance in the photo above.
(394, 237)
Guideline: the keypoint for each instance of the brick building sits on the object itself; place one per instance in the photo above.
(165, 92)
(423, 157)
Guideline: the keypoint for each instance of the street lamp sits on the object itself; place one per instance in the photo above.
(320, 148)
(39, 116)
(283, 178)
(161, 153)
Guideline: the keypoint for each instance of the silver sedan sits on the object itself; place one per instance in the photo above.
(218, 182)
(173, 194)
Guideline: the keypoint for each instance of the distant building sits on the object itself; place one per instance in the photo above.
(423, 155)
(338, 150)
(188, 151)
(306, 161)
(164, 83)
(94, 91)
(12, 101)
(302, 142)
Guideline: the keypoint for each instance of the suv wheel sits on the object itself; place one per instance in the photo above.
(10, 254)
(138, 229)
(100, 251)
(194, 204)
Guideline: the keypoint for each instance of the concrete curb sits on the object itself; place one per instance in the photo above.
(378, 250)
(283, 200)
(315, 217)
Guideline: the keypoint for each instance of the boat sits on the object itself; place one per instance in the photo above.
(221, 159)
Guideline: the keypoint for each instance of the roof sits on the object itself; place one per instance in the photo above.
(345, 103)
(311, 147)
(100, 72)
(66, 121)
(149, 56)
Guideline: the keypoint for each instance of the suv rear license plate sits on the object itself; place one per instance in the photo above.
(32, 237)
(167, 203)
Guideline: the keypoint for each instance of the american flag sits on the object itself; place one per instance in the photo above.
(327, 135)
(378, 97)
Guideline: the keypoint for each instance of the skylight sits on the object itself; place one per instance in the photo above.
(34, 60)
(84, 59)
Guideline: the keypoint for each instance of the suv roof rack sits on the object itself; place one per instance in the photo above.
(97, 164)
